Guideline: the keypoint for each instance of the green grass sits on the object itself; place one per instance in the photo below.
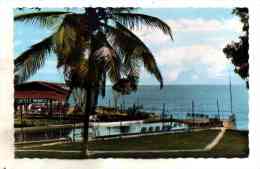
(49, 155)
(156, 142)
(34, 143)
(234, 144)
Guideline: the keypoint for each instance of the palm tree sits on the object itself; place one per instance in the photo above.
(91, 45)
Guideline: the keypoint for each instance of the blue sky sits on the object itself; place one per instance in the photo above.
(194, 57)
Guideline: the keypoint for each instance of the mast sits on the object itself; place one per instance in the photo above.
(193, 113)
(233, 117)
(230, 94)
(218, 110)
(163, 114)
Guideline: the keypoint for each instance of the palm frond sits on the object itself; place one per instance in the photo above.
(104, 58)
(133, 49)
(44, 19)
(72, 46)
(114, 68)
(79, 96)
(135, 20)
(76, 74)
(122, 9)
(71, 40)
(33, 59)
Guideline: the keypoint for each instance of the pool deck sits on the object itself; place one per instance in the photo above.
(92, 124)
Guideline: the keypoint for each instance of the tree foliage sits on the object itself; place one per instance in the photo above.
(237, 52)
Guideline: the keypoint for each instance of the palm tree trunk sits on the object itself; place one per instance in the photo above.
(91, 91)
(86, 121)
(91, 103)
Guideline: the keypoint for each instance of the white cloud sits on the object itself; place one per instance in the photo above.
(202, 25)
(175, 61)
(190, 25)
(151, 36)
(195, 77)
(191, 54)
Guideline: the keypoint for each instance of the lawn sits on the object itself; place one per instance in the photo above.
(155, 142)
(234, 144)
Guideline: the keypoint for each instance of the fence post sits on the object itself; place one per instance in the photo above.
(218, 110)
(163, 114)
(193, 113)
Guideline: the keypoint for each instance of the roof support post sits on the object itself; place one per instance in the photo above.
(50, 108)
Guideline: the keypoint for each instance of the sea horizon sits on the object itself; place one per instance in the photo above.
(183, 84)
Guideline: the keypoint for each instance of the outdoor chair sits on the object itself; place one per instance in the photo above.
(150, 129)
(164, 128)
(157, 128)
(143, 129)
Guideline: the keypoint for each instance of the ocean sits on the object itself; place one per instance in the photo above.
(178, 100)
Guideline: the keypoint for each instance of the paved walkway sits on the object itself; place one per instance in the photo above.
(77, 125)
(50, 151)
(217, 139)
(44, 144)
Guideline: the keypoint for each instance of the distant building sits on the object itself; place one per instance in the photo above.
(40, 97)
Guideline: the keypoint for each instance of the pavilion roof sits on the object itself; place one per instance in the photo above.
(41, 90)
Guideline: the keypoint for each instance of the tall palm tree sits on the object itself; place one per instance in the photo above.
(91, 45)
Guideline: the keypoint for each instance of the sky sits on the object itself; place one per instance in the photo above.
(194, 56)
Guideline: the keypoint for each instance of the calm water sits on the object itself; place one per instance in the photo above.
(178, 100)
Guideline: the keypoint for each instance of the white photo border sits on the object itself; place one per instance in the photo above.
(6, 90)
